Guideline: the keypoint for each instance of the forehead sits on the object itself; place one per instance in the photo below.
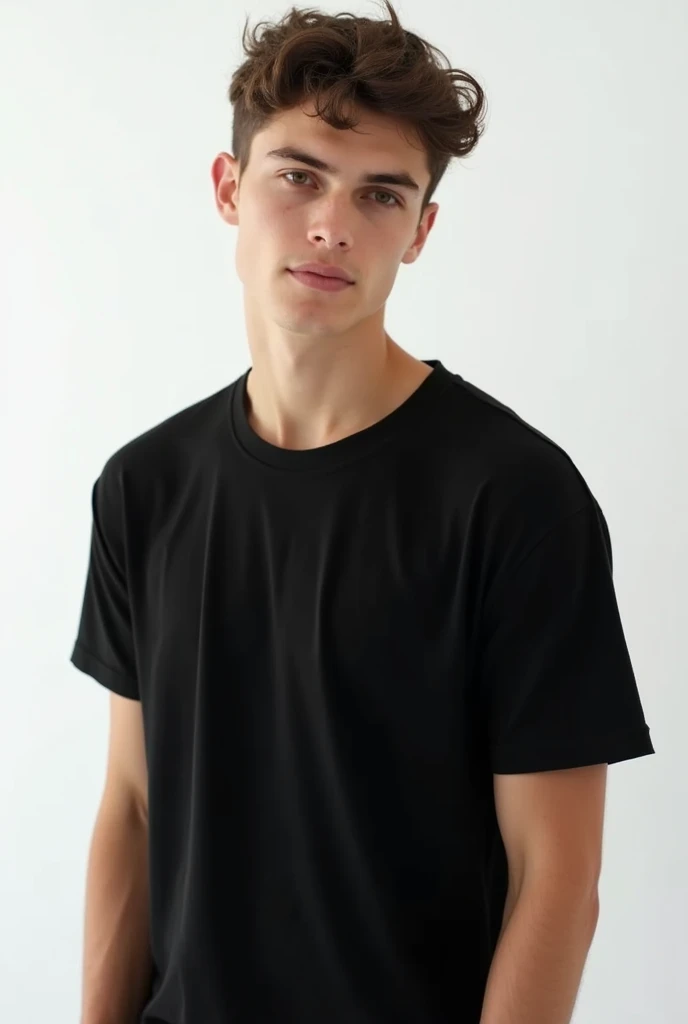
(376, 135)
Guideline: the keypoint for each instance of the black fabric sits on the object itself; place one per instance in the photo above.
(335, 649)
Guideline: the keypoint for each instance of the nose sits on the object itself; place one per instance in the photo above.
(331, 226)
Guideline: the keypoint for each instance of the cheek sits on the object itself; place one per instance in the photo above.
(272, 227)
(258, 241)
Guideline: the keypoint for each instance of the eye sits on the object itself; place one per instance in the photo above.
(378, 192)
(391, 195)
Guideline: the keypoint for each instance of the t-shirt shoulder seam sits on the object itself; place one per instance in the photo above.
(484, 398)
(120, 458)
(589, 505)
(555, 526)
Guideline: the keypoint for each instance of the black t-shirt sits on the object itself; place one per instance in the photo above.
(335, 649)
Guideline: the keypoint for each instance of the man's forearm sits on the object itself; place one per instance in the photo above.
(116, 959)
(538, 964)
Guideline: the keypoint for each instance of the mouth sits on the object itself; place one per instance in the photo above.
(319, 281)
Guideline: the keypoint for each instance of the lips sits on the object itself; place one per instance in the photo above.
(323, 271)
(320, 281)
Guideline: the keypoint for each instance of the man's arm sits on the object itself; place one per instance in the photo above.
(117, 960)
(552, 827)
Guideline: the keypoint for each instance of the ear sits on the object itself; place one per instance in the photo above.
(225, 177)
(427, 220)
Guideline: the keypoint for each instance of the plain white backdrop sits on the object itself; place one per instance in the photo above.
(554, 278)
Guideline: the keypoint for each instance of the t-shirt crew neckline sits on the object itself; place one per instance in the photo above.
(347, 449)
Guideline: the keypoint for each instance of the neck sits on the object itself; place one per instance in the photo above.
(320, 396)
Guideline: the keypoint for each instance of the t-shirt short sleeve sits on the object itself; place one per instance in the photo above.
(104, 647)
(555, 674)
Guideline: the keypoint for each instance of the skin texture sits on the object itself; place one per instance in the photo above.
(552, 826)
(323, 365)
(117, 960)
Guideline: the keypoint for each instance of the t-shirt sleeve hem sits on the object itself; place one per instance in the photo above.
(619, 746)
(121, 684)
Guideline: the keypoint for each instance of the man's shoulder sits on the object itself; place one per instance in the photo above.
(503, 463)
(178, 437)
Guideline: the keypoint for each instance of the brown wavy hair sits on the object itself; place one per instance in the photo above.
(335, 60)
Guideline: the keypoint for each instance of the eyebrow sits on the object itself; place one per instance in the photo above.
(402, 179)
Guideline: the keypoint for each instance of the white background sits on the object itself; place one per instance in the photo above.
(554, 278)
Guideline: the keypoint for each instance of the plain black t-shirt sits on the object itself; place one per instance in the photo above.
(335, 649)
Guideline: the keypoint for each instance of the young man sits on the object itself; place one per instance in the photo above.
(357, 618)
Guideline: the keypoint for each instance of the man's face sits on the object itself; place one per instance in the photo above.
(289, 213)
